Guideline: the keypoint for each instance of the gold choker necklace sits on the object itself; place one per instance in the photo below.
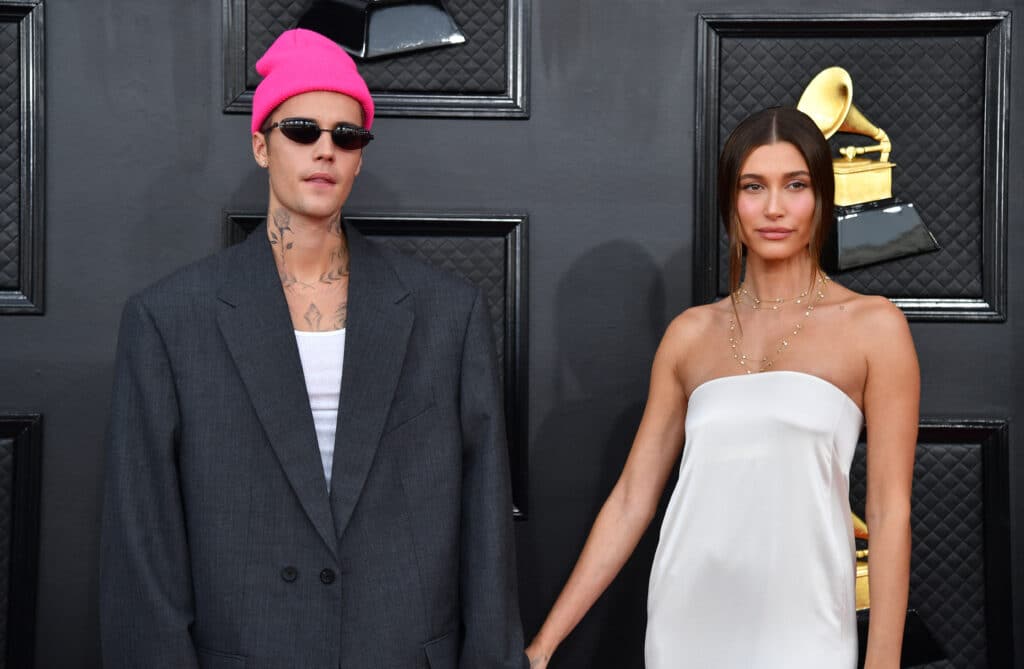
(772, 303)
(766, 363)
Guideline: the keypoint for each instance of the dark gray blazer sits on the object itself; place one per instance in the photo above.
(221, 547)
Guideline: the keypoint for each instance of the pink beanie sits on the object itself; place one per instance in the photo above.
(302, 60)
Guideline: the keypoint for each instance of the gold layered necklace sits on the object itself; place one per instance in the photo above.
(773, 303)
(805, 299)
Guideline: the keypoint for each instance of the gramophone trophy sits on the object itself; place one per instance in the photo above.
(871, 225)
(373, 28)
(862, 591)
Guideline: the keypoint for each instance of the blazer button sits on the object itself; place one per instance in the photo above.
(289, 574)
(327, 576)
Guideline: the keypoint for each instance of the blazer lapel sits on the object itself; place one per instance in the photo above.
(378, 332)
(256, 325)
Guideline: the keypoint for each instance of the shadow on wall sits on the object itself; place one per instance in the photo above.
(610, 315)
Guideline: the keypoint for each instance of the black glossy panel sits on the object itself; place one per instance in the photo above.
(877, 232)
(373, 29)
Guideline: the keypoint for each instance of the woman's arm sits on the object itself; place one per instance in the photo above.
(891, 398)
(632, 503)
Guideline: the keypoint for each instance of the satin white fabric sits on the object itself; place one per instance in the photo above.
(755, 565)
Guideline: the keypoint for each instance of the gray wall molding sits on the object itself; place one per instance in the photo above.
(27, 297)
(993, 27)
(513, 102)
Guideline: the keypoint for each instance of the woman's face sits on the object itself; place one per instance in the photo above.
(775, 201)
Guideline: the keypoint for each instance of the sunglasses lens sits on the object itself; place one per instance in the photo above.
(349, 138)
(307, 131)
(300, 130)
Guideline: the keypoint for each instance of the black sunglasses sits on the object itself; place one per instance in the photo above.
(306, 131)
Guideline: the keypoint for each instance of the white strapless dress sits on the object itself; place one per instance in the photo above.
(755, 565)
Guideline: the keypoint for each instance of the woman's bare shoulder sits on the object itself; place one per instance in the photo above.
(688, 334)
(875, 317)
(696, 321)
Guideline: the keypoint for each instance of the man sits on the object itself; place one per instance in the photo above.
(307, 464)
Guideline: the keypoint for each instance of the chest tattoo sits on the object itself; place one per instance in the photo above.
(312, 317)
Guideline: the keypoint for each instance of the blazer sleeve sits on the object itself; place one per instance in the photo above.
(493, 636)
(146, 605)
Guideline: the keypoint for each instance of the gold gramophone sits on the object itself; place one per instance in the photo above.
(828, 100)
(871, 225)
(860, 531)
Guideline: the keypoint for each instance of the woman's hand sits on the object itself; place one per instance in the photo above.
(538, 660)
(633, 501)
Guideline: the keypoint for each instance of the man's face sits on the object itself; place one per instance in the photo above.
(310, 180)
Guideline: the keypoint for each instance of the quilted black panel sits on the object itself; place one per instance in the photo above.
(479, 259)
(927, 93)
(10, 165)
(476, 67)
(947, 572)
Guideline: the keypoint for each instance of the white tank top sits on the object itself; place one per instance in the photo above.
(322, 354)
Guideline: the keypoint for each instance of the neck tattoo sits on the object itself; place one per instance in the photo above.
(282, 239)
(766, 363)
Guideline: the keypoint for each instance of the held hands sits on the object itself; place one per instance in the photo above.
(538, 660)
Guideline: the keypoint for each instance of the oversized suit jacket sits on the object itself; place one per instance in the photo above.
(222, 547)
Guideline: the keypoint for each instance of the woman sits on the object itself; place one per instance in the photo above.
(755, 564)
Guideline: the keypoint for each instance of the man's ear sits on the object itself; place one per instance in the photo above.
(360, 165)
(260, 150)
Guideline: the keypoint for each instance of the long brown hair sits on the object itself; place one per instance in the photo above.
(770, 126)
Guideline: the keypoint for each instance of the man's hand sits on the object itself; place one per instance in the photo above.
(538, 660)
